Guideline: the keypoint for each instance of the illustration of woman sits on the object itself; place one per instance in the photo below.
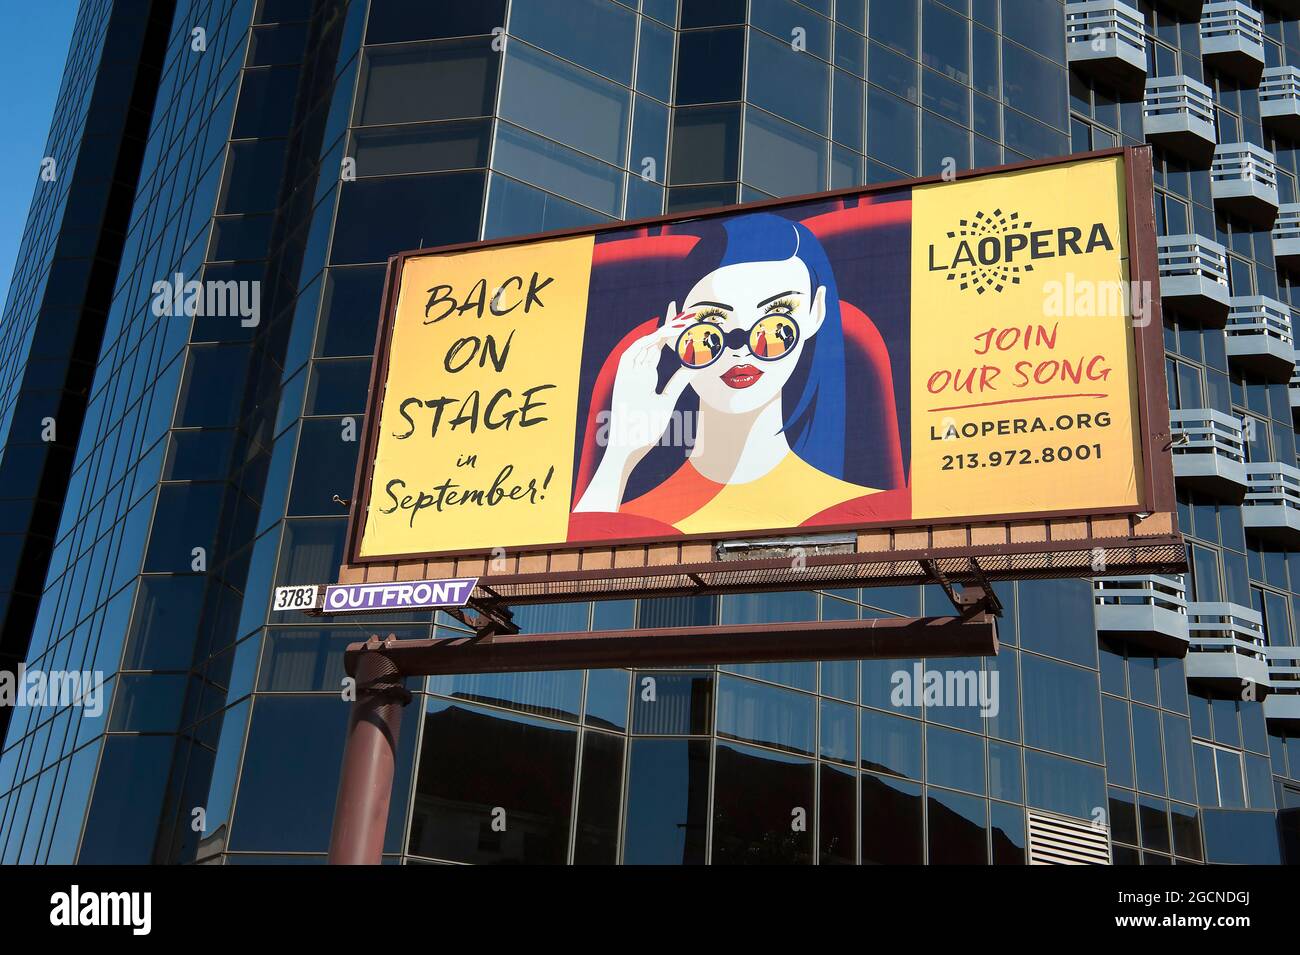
(759, 341)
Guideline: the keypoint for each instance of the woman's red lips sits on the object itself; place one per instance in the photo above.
(741, 376)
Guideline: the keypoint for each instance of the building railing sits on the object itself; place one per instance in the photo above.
(1221, 627)
(1090, 21)
(1243, 162)
(1259, 315)
(1279, 86)
(1272, 484)
(1286, 228)
(1154, 590)
(1192, 256)
(1283, 669)
(1230, 20)
(1173, 96)
(1207, 431)
(1293, 389)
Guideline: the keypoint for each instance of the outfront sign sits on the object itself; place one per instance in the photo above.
(369, 598)
(941, 352)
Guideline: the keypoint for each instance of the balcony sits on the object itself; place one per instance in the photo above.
(1150, 611)
(1293, 392)
(1272, 505)
(1194, 278)
(1107, 39)
(1209, 452)
(1259, 337)
(1286, 236)
(1226, 646)
(1279, 100)
(1282, 705)
(1232, 39)
(1178, 115)
(1243, 182)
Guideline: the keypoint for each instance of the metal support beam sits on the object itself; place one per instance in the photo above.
(975, 598)
(370, 755)
(889, 637)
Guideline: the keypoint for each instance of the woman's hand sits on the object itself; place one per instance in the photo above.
(638, 416)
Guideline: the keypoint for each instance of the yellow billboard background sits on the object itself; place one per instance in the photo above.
(1006, 430)
(1022, 397)
(505, 324)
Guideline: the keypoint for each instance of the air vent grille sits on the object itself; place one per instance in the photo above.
(1060, 840)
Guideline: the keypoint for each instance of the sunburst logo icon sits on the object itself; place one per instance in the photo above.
(981, 261)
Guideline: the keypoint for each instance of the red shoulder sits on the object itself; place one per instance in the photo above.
(869, 508)
(600, 525)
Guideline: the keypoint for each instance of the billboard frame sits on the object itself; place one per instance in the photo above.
(1156, 488)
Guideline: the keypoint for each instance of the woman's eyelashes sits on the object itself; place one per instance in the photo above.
(784, 307)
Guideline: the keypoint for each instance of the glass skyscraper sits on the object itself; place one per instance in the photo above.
(196, 462)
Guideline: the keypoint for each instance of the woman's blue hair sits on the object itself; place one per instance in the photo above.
(815, 424)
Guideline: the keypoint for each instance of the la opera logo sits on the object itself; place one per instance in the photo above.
(990, 251)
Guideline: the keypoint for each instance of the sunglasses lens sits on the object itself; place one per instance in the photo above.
(773, 337)
(699, 345)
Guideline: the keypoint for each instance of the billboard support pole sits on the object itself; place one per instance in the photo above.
(369, 757)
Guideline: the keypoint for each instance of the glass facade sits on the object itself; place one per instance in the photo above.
(297, 144)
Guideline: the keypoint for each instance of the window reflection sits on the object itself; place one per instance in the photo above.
(782, 159)
(892, 822)
(393, 20)
(838, 817)
(555, 694)
(564, 103)
(954, 759)
(396, 81)
(1056, 619)
(706, 145)
(607, 698)
(290, 774)
(492, 788)
(406, 212)
(596, 838)
(1007, 834)
(592, 33)
(558, 169)
(766, 714)
(956, 828)
(672, 703)
(123, 817)
(667, 802)
(709, 66)
(763, 808)
(891, 744)
(788, 82)
(1061, 707)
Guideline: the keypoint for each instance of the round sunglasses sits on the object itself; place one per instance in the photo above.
(770, 338)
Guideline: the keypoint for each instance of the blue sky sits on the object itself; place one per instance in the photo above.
(33, 47)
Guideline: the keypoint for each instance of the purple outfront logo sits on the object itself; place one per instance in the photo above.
(399, 595)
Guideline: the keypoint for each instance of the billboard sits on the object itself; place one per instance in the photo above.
(925, 353)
